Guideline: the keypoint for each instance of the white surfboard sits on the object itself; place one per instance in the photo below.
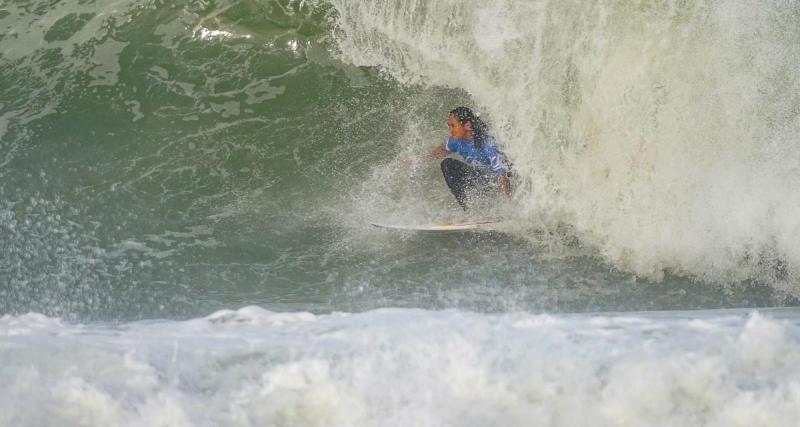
(486, 224)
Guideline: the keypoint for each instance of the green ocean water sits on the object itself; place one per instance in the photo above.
(169, 159)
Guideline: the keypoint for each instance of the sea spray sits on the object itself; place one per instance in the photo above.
(662, 133)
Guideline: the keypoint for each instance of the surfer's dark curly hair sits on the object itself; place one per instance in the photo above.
(480, 131)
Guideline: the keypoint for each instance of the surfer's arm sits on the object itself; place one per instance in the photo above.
(437, 153)
(505, 184)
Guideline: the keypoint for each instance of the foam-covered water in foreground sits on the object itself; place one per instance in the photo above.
(397, 367)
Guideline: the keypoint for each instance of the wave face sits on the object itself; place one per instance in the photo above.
(663, 133)
(156, 158)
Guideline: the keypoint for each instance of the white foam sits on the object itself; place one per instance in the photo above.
(406, 367)
(26, 324)
(258, 316)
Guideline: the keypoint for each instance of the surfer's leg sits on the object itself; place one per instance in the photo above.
(459, 177)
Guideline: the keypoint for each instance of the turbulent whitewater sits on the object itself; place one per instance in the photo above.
(662, 132)
(404, 367)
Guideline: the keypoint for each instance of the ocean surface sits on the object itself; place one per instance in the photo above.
(186, 189)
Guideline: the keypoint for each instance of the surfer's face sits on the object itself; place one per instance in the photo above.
(457, 129)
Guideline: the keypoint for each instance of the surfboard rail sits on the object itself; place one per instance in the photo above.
(442, 226)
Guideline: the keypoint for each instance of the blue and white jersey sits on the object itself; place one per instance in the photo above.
(488, 158)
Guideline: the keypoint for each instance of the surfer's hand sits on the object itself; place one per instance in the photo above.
(505, 184)
(437, 153)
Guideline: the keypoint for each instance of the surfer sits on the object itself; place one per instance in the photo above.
(484, 169)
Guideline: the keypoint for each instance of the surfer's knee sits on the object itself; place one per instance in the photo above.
(448, 164)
